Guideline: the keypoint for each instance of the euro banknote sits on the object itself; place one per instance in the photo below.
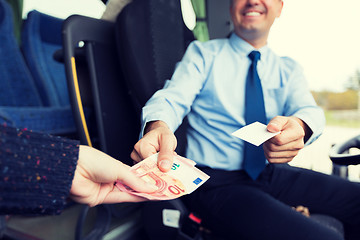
(183, 178)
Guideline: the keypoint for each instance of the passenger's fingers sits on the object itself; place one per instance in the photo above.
(128, 178)
(120, 197)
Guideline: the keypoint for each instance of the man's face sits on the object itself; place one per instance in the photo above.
(253, 18)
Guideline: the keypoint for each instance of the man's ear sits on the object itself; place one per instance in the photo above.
(280, 9)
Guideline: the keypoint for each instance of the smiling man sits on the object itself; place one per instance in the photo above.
(222, 85)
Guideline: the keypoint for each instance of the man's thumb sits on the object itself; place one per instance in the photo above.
(165, 160)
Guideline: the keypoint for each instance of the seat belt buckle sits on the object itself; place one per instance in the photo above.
(190, 228)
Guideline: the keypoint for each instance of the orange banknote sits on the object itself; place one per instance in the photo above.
(183, 178)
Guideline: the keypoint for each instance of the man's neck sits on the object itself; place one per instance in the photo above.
(254, 40)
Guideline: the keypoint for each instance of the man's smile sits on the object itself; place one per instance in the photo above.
(252, 14)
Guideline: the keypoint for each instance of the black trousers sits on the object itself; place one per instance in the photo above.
(231, 204)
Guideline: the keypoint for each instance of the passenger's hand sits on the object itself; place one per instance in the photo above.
(285, 146)
(158, 138)
(95, 175)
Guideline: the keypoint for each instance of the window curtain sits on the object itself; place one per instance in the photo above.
(17, 6)
(200, 31)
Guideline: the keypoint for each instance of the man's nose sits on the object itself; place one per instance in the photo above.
(252, 2)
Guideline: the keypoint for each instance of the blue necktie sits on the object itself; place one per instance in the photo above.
(254, 158)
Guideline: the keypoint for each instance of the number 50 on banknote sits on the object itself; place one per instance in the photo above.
(183, 178)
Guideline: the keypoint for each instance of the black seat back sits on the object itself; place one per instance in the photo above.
(151, 39)
(96, 83)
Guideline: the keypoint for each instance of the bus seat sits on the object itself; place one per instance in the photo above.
(40, 39)
(20, 102)
(145, 31)
(95, 83)
(151, 39)
(15, 77)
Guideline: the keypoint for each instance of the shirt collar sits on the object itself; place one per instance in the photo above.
(244, 48)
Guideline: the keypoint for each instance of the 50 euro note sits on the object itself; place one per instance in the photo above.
(183, 178)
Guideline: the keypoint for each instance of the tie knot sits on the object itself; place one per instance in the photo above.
(254, 56)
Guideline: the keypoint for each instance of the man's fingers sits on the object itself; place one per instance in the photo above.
(274, 146)
(276, 124)
(143, 149)
(303, 210)
(135, 156)
(283, 154)
(279, 154)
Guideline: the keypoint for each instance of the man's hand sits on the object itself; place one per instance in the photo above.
(285, 146)
(157, 138)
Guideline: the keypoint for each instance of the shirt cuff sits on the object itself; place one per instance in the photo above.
(315, 121)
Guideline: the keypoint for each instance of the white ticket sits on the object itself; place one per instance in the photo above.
(255, 133)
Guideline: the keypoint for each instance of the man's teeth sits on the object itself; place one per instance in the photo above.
(252, 14)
